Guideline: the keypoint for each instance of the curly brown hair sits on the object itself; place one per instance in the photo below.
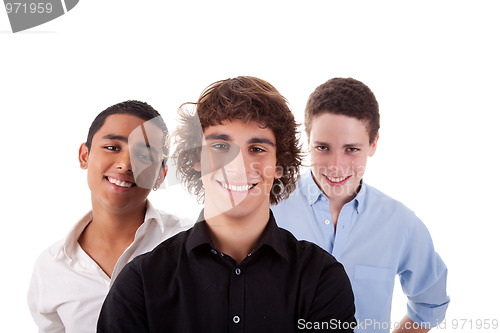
(345, 96)
(247, 99)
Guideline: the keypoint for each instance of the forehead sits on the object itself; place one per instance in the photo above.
(328, 126)
(133, 128)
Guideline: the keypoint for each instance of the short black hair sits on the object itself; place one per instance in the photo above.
(135, 108)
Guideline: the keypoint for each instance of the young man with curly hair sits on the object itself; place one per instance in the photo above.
(374, 236)
(124, 156)
(235, 270)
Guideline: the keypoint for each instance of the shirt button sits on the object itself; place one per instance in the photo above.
(323, 198)
(237, 271)
(236, 319)
(213, 251)
(327, 221)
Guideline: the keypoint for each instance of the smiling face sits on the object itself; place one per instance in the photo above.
(238, 164)
(339, 147)
(123, 145)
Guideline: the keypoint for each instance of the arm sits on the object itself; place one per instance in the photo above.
(45, 317)
(124, 309)
(423, 278)
(334, 301)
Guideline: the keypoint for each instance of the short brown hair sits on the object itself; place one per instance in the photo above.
(345, 96)
(247, 99)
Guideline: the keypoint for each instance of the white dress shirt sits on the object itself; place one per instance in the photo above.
(68, 288)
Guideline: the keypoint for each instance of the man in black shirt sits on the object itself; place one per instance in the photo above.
(235, 270)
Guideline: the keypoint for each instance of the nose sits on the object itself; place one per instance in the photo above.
(123, 161)
(237, 167)
(337, 161)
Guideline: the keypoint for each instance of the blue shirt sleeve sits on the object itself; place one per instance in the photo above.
(423, 276)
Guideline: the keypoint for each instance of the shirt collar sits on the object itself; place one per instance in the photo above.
(70, 245)
(153, 216)
(313, 193)
(198, 235)
(271, 237)
(309, 188)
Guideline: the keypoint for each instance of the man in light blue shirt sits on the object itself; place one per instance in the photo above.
(374, 236)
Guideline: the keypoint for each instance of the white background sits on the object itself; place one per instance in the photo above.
(432, 65)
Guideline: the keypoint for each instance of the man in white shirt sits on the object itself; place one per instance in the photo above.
(125, 158)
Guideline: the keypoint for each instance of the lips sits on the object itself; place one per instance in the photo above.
(336, 180)
(120, 183)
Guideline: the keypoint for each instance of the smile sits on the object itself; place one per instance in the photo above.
(120, 183)
(336, 179)
(235, 188)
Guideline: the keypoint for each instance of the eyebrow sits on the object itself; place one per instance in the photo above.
(226, 137)
(115, 137)
(351, 145)
(347, 145)
(320, 143)
(261, 140)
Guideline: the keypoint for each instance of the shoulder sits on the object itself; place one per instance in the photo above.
(296, 197)
(50, 269)
(376, 200)
(173, 223)
(393, 217)
(167, 253)
(297, 200)
(159, 226)
(51, 254)
(307, 253)
(316, 267)
(168, 219)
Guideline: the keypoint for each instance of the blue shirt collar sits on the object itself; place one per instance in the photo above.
(309, 188)
(313, 193)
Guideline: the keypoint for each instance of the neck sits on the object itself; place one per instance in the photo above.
(116, 226)
(238, 236)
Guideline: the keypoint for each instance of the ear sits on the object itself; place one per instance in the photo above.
(373, 146)
(197, 166)
(162, 175)
(83, 155)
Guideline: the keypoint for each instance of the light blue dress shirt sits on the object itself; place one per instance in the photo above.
(377, 238)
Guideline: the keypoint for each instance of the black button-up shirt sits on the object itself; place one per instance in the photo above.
(187, 285)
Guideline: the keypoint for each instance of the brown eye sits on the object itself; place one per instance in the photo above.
(256, 150)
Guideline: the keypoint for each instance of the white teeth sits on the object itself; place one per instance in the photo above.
(336, 179)
(119, 183)
(236, 188)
